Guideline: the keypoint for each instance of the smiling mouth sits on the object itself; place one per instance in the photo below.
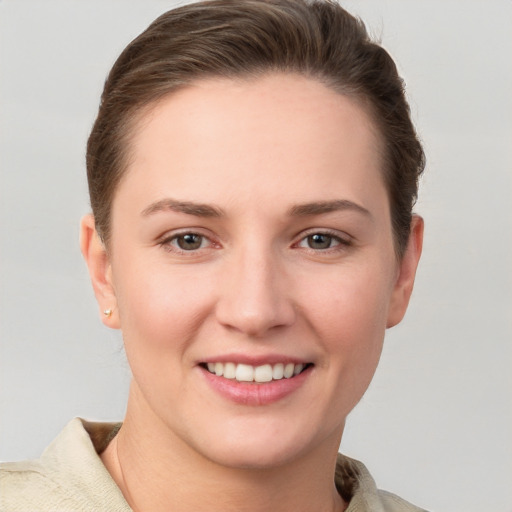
(260, 374)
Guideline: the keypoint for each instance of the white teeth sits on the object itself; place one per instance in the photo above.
(263, 373)
(298, 368)
(244, 373)
(230, 370)
(278, 371)
(248, 373)
(288, 370)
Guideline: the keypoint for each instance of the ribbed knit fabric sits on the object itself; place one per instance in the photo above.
(70, 477)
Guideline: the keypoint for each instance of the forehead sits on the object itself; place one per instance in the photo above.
(247, 99)
(278, 129)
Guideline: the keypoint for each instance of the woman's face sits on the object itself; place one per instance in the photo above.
(251, 237)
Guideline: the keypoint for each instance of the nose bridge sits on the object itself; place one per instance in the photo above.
(254, 298)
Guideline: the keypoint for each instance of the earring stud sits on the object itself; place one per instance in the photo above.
(107, 313)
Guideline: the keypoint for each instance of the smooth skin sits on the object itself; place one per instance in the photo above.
(253, 221)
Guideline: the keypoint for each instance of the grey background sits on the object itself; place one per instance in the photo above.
(436, 424)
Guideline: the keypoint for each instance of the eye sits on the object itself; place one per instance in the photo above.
(186, 242)
(322, 241)
(189, 241)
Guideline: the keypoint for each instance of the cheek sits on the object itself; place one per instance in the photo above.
(353, 300)
(350, 315)
(160, 310)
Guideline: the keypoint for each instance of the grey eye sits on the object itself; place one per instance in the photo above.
(320, 241)
(189, 241)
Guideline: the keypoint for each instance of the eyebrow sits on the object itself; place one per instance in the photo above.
(188, 207)
(321, 207)
(299, 210)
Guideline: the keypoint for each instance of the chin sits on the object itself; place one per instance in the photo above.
(253, 457)
(263, 446)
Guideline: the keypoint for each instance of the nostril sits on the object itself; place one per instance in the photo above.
(255, 322)
(253, 299)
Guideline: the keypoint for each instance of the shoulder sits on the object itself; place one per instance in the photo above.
(69, 476)
(27, 486)
(358, 487)
(393, 503)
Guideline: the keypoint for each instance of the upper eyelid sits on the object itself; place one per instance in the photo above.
(166, 243)
(343, 236)
(167, 238)
(335, 233)
(169, 235)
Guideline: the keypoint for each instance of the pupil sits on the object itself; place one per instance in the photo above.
(189, 242)
(319, 241)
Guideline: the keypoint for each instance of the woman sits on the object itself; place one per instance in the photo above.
(252, 173)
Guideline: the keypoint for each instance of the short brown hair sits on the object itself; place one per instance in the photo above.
(244, 38)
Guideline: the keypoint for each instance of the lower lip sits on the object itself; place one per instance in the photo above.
(253, 393)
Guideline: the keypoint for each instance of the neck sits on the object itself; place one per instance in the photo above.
(157, 471)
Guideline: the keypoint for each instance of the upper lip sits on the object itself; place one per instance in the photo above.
(255, 360)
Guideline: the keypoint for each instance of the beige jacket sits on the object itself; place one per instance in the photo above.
(70, 477)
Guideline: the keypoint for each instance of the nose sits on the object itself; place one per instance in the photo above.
(255, 294)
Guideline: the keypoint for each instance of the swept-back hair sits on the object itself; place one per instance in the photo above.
(248, 38)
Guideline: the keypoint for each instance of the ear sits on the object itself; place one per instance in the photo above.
(100, 270)
(406, 272)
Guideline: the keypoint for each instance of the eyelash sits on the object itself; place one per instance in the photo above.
(170, 243)
(341, 242)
